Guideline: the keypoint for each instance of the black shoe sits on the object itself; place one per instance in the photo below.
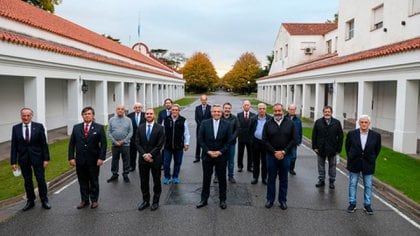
(283, 205)
(215, 180)
(320, 183)
(196, 160)
(254, 181)
(239, 169)
(113, 178)
(268, 204)
(264, 182)
(143, 206)
(292, 172)
(126, 179)
(332, 185)
(232, 180)
(46, 205)
(154, 206)
(223, 205)
(351, 208)
(201, 204)
(29, 205)
(132, 169)
(250, 169)
(368, 210)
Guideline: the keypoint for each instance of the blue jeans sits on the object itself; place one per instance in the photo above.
(367, 183)
(167, 158)
(277, 168)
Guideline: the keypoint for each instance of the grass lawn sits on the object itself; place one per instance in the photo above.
(396, 169)
(254, 103)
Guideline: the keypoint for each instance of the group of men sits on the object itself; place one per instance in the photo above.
(271, 143)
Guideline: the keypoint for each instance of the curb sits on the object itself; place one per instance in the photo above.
(394, 196)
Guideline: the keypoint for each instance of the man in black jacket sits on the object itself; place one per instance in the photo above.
(202, 112)
(244, 136)
(279, 136)
(137, 118)
(362, 147)
(327, 140)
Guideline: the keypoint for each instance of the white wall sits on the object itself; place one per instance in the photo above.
(55, 103)
(384, 97)
(12, 100)
(350, 100)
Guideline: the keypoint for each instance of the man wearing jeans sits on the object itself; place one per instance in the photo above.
(362, 146)
(227, 115)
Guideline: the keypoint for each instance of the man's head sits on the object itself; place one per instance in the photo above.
(291, 109)
(364, 123)
(150, 115)
(88, 114)
(138, 107)
(168, 103)
(278, 111)
(203, 100)
(261, 109)
(175, 110)
(246, 105)
(216, 111)
(120, 110)
(327, 110)
(26, 115)
(227, 109)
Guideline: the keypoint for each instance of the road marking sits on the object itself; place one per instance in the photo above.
(73, 181)
(415, 224)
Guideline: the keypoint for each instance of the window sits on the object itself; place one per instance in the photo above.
(414, 7)
(335, 43)
(378, 17)
(286, 50)
(276, 56)
(281, 54)
(350, 29)
(329, 46)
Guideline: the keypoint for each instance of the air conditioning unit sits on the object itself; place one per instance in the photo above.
(308, 50)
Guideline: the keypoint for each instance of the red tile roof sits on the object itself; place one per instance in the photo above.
(20, 11)
(404, 46)
(309, 28)
(41, 44)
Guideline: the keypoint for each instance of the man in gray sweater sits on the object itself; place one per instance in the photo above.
(120, 131)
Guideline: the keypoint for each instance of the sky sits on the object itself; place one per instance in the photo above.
(223, 29)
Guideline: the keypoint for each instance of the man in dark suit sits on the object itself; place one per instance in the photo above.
(362, 147)
(244, 137)
(202, 112)
(165, 112)
(279, 136)
(29, 149)
(149, 141)
(327, 141)
(87, 150)
(214, 137)
(137, 118)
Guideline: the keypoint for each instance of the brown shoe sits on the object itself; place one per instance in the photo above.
(82, 205)
(94, 205)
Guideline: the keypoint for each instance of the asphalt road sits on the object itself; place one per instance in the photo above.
(311, 211)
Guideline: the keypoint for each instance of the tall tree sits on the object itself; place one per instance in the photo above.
(199, 73)
(246, 69)
(47, 5)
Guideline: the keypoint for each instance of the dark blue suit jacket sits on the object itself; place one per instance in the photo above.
(199, 115)
(220, 143)
(154, 146)
(132, 116)
(359, 159)
(35, 152)
(162, 116)
(88, 150)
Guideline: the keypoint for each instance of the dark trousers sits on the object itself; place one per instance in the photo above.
(259, 156)
(293, 153)
(241, 149)
(197, 146)
(133, 155)
(220, 166)
(122, 151)
(87, 175)
(39, 172)
(278, 168)
(145, 170)
(331, 167)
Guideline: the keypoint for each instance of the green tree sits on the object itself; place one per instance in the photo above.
(47, 5)
(246, 69)
(199, 73)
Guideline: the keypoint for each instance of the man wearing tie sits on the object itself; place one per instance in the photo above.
(244, 137)
(165, 112)
(214, 137)
(87, 150)
(29, 149)
(202, 112)
(149, 141)
(137, 118)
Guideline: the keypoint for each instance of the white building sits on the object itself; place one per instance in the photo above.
(369, 65)
(57, 67)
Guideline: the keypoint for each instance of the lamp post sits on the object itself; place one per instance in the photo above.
(249, 87)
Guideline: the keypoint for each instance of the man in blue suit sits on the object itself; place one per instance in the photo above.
(165, 112)
(214, 138)
(202, 112)
(137, 118)
(362, 147)
(29, 149)
(87, 150)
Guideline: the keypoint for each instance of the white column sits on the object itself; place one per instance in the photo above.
(297, 100)
(405, 132)
(143, 94)
(34, 88)
(319, 100)
(290, 94)
(283, 89)
(74, 103)
(338, 102)
(101, 98)
(306, 100)
(365, 99)
(149, 96)
(155, 95)
(119, 93)
(132, 95)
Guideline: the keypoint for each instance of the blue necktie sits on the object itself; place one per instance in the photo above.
(137, 119)
(148, 132)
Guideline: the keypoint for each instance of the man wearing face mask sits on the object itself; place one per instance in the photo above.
(327, 140)
(279, 136)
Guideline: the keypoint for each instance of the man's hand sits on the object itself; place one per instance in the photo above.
(316, 150)
(279, 155)
(45, 164)
(72, 162)
(99, 162)
(14, 167)
(186, 146)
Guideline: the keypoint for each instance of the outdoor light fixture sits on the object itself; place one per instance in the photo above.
(292, 89)
(330, 88)
(137, 87)
(85, 87)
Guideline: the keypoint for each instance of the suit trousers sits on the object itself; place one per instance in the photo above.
(197, 146)
(39, 172)
(145, 170)
(278, 168)
(241, 150)
(220, 166)
(259, 156)
(87, 175)
(133, 155)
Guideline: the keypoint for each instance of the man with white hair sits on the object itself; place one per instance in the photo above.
(362, 147)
